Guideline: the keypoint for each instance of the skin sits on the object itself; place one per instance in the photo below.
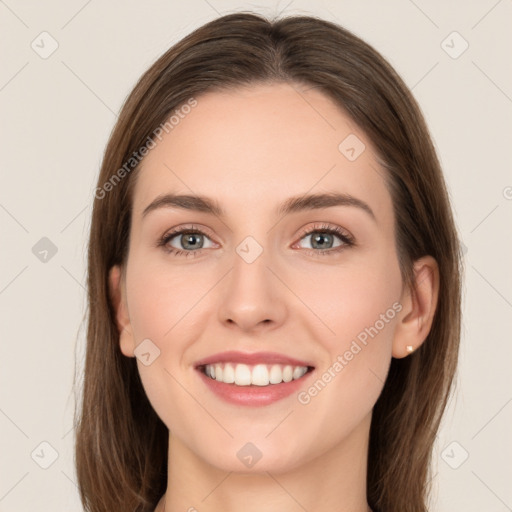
(251, 149)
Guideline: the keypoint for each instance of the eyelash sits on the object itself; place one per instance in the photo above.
(347, 240)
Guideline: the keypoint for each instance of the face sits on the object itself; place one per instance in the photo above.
(262, 284)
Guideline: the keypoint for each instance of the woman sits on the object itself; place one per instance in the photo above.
(274, 282)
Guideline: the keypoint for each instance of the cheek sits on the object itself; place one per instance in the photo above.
(351, 299)
(161, 297)
(164, 303)
(358, 307)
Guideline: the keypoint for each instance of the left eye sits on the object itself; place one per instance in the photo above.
(323, 239)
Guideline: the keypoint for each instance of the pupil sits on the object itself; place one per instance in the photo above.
(321, 239)
(189, 241)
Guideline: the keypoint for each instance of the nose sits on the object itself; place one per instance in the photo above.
(253, 298)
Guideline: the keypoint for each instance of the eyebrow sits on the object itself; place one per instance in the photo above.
(291, 205)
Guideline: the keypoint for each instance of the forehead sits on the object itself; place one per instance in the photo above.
(262, 144)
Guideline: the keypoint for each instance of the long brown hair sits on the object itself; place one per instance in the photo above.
(121, 444)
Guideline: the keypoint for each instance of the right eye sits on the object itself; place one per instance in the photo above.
(184, 241)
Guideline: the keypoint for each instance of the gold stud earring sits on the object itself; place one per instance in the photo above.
(409, 348)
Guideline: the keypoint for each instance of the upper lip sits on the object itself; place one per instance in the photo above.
(232, 356)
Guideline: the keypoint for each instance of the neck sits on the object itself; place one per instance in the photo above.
(335, 480)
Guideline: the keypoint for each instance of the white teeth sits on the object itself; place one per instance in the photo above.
(260, 375)
(276, 374)
(218, 372)
(287, 373)
(298, 372)
(242, 375)
(257, 375)
(229, 374)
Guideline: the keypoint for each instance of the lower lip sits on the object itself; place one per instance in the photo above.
(254, 395)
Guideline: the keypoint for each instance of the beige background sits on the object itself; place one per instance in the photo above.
(57, 113)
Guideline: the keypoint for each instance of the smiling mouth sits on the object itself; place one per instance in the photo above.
(240, 374)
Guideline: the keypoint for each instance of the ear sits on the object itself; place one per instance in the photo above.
(418, 308)
(118, 298)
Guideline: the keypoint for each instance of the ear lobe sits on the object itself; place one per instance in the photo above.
(118, 298)
(419, 306)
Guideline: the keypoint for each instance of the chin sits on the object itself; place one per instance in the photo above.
(255, 457)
